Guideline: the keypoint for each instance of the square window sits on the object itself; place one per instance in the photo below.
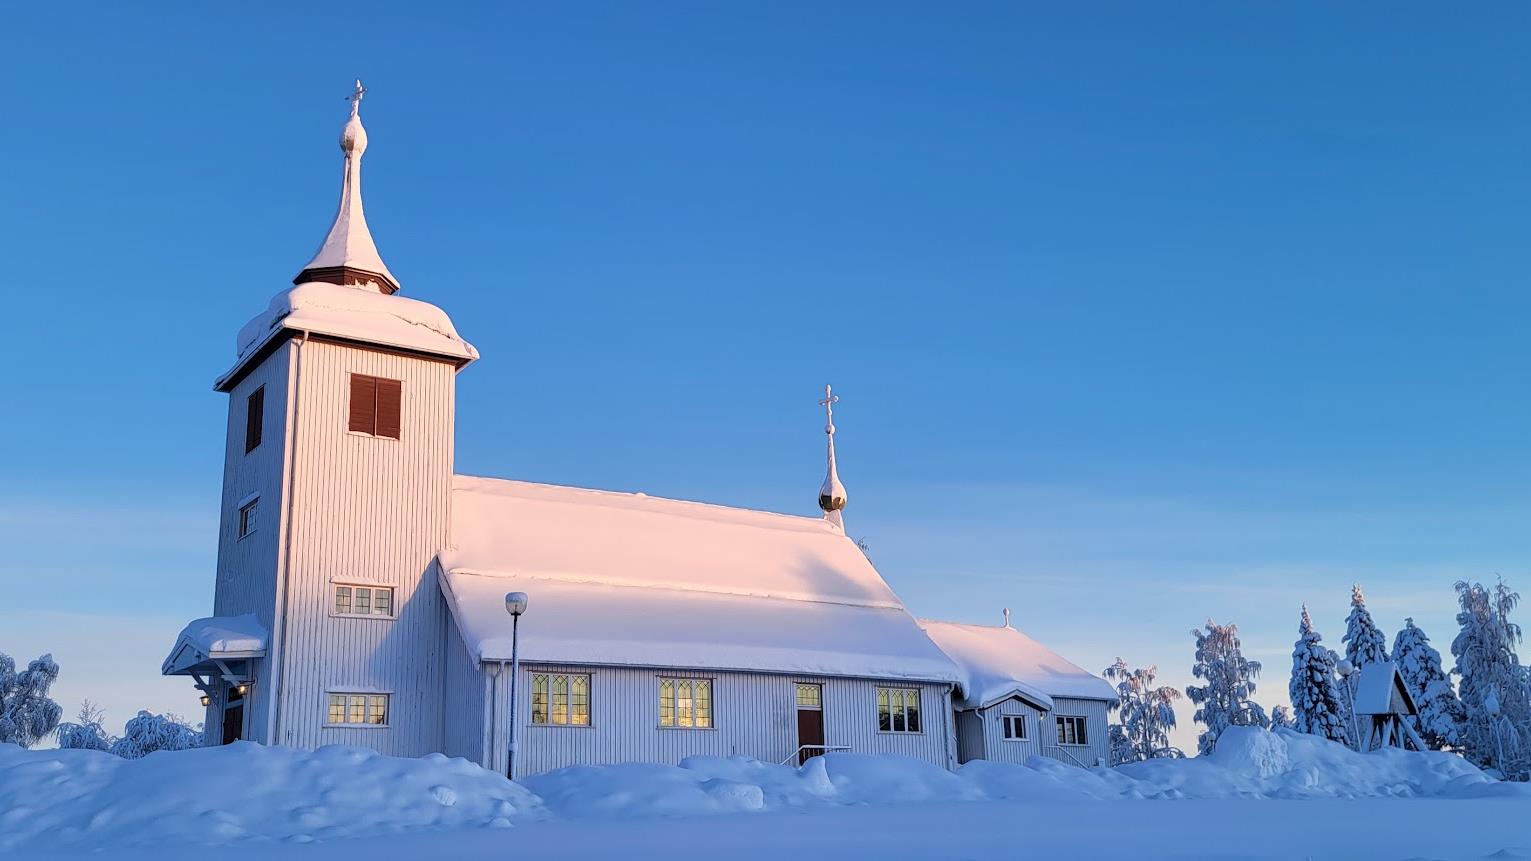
(809, 696)
(376, 406)
(342, 599)
(1014, 727)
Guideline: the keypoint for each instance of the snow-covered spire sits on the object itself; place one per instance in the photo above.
(348, 255)
(832, 492)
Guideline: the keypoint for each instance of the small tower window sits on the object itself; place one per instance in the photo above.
(376, 405)
(247, 517)
(255, 414)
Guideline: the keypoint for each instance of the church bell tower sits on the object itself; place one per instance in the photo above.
(337, 493)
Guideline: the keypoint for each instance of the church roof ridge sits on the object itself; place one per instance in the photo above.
(633, 499)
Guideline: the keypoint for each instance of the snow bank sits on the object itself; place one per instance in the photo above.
(1249, 763)
(83, 798)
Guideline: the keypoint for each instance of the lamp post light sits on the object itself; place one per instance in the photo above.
(1347, 670)
(515, 605)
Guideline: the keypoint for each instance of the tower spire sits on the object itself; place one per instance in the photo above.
(348, 255)
(832, 492)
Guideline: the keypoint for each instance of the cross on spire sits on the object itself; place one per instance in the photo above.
(356, 97)
(832, 492)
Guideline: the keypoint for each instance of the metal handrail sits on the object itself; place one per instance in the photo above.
(822, 748)
(1048, 749)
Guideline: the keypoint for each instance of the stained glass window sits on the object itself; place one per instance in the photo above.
(898, 709)
(561, 699)
(685, 703)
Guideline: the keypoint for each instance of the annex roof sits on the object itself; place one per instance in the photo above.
(215, 638)
(629, 579)
(998, 662)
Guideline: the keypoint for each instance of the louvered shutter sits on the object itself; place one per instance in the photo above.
(389, 408)
(363, 403)
(255, 410)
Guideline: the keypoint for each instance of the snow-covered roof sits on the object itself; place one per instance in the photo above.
(357, 313)
(215, 638)
(629, 579)
(1376, 683)
(999, 662)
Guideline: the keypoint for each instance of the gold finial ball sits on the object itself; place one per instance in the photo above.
(831, 503)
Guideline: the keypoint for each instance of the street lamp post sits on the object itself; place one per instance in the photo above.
(1348, 670)
(515, 605)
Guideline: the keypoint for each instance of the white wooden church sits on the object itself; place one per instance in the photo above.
(361, 583)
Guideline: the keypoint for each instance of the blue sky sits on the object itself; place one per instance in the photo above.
(1140, 314)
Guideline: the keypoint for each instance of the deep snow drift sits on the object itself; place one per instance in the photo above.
(85, 800)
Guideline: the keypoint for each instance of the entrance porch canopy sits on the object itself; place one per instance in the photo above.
(217, 646)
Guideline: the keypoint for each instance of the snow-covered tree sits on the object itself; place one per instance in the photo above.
(1318, 707)
(1494, 688)
(1281, 718)
(1364, 641)
(148, 732)
(1225, 699)
(1145, 713)
(86, 731)
(1440, 711)
(27, 714)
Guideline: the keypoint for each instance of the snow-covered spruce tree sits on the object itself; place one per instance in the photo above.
(86, 731)
(1145, 714)
(1440, 712)
(27, 714)
(1225, 699)
(1281, 717)
(1364, 641)
(148, 732)
(1318, 707)
(1494, 686)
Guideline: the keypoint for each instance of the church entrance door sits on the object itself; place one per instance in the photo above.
(810, 721)
(234, 713)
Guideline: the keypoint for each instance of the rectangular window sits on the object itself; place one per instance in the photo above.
(247, 518)
(898, 709)
(255, 414)
(1014, 727)
(561, 699)
(685, 703)
(1071, 730)
(358, 709)
(354, 600)
(376, 405)
(809, 696)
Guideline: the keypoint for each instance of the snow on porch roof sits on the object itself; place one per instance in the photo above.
(629, 579)
(1000, 662)
(215, 638)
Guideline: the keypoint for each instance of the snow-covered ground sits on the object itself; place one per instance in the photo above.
(1259, 796)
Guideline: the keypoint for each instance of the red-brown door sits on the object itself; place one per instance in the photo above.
(810, 721)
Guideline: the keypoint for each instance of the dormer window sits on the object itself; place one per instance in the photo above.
(255, 415)
(376, 405)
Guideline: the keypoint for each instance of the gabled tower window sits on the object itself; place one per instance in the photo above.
(376, 405)
(255, 414)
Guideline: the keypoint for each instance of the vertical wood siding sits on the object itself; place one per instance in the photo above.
(1094, 713)
(368, 510)
(970, 738)
(754, 714)
(1039, 728)
(246, 574)
(463, 718)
